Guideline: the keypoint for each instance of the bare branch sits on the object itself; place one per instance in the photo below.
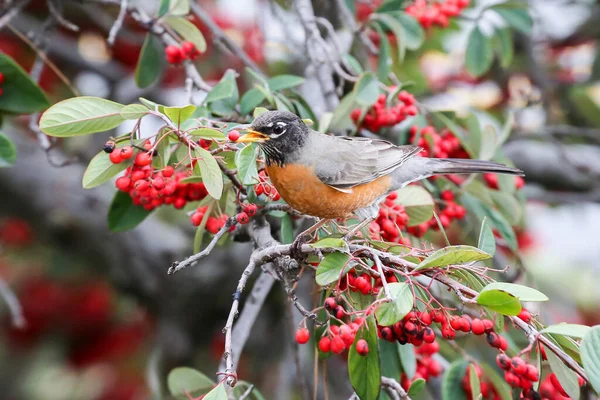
(114, 30)
(57, 14)
(16, 312)
(350, 22)
(393, 386)
(12, 12)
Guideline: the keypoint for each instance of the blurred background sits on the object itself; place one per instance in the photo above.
(104, 321)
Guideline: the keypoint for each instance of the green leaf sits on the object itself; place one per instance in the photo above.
(495, 218)
(474, 381)
(400, 304)
(225, 89)
(397, 29)
(516, 15)
(188, 31)
(134, 111)
(150, 104)
(452, 381)
(123, 215)
(211, 173)
(163, 151)
(81, 116)
(460, 254)
(590, 355)
(332, 267)
(245, 160)
(259, 111)
(179, 7)
(330, 242)
(250, 100)
(242, 387)
(408, 359)
(218, 393)
(281, 82)
(101, 169)
(207, 133)
(8, 152)
(365, 371)
(572, 330)
(506, 128)
(500, 301)
(508, 206)
(503, 43)
(416, 387)
(20, 94)
(487, 241)
(385, 61)
(287, 229)
(413, 32)
(367, 89)
(497, 381)
(184, 379)
(341, 115)
(353, 63)
(199, 235)
(523, 293)
(417, 203)
(179, 114)
(479, 54)
(565, 375)
(458, 131)
(150, 63)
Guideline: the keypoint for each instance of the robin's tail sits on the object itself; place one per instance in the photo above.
(417, 168)
(465, 166)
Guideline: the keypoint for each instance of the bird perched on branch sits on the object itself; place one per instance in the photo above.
(337, 176)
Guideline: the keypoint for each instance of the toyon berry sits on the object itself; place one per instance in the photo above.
(448, 332)
(325, 344)
(518, 365)
(512, 379)
(532, 373)
(1, 78)
(493, 340)
(477, 326)
(362, 347)
(126, 152)
(251, 209)
(109, 146)
(302, 336)
(123, 183)
(337, 344)
(330, 303)
(143, 159)
(115, 157)
(428, 335)
(503, 361)
(189, 50)
(524, 315)
(173, 54)
(233, 135)
(243, 218)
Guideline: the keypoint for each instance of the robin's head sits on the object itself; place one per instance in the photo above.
(281, 134)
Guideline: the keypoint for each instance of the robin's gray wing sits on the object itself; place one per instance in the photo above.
(347, 162)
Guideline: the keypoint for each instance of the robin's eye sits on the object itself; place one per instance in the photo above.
(278, 130)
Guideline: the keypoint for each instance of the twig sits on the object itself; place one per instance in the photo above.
(12, 12)
(191, 260)
(222, 40)
(386, 289)
(57, 14)
(16, 312)
(350, 22)
(247, 393)
(114, 30)
(231, 174)
(395, 386)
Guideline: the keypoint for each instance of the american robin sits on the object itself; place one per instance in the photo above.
(337, 176)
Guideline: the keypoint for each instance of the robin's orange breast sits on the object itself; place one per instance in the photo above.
(301, 188)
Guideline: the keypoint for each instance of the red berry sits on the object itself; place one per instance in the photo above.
(488, 324)
(233, 135)
(512, 379)
(168, 171)
(325, 344)
(448, 332)
(339, 312)
(503, 343)
(456, 323)
(143, 159)
(302, 335)
(525, 315)
(115, 157)
(386, 333)
(425, 318)
(362, 347)
(493, 339)
(123, 183)
(532, 373)
(525, 383)
(173, 54)
(196, 218)
(477, 326)
(465, 325)
(1, 78)
(503, 361)
(330, 303)
(189, 50)
(337, 344)
(126, 152)
(250, 209)
(428, 335)
(518, 365)
(243, 218)
(447, 195)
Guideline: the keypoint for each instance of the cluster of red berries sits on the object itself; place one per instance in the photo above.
(430, 13)
(438, 145)
(213, 224)
(15, 233)
(485, 388)
(363, 282)
(175, 54)
(381, 116)
(447, 213)
(550, 388)
(427, 366)
(265, 187)
(491, 180)
(517, 372)
(392, 219)
(1, 82)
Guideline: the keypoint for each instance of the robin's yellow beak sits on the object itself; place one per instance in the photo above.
(253, 137)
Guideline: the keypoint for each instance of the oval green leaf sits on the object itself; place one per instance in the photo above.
(460, 254)
(101, 169)
(487, 241)
(565, 375)
(365, 371)
(479, 54)
(330, 242)
(184, 379)
(150, 63)
(523, 293)
(8, 152)
(417, 202)
(245, 160)
(452, 381)
(500, 301)
(81, 116)
(400, 304)
(250, 100)
(179, 114)
(225, 89)
(281, 82)
(332, 267)
(210, 171)
(188, 31)
(134, 111)
(367, 89)
(20, 94)
(208, 133)
(416, 387)
(590, 355)
(572, 330)
(123, 215)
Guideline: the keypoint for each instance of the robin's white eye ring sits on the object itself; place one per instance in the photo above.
(278, 130)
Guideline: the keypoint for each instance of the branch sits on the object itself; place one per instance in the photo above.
(57, 14)
(394, 387)
(12, 12)
(222, 40)
(114, 30)
(16, 312)
(351, 24)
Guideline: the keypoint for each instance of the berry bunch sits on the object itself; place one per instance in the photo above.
(1, 82)
(213, 224)
(485, 388)
(392, 219)
(438, 13)
(491, 180)
(447, 213)
(265, 187)
(550, 388)
(175, 54)
(437, 145)
(340, 338)
(381, 116)
(517, 372)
